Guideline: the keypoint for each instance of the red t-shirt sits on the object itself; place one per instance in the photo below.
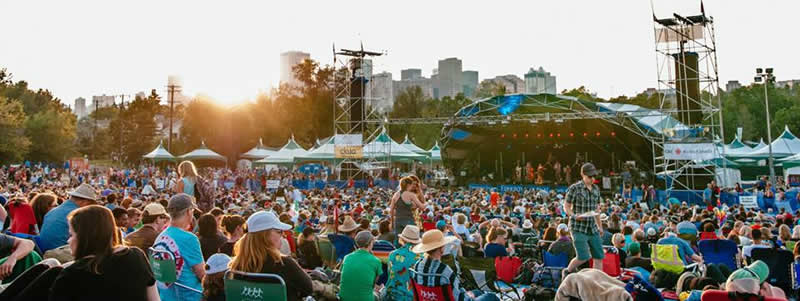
(494, 198)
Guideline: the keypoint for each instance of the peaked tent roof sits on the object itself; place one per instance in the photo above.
(286, 154)
(413, 147)
(324, 152)
(384, 147)
(436, 152)
(736, 148)
(258, 152)
(760, 144)
(159, 154)
(203, 153)
(784, 146)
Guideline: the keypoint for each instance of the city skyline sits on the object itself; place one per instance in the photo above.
(607, 47)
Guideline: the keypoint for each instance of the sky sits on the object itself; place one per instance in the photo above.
(229, 50)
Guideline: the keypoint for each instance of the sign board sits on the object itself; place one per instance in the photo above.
(273, 184)
(348, 146)
(689, 151)
(79, 163)
(606, 183)
(682, 33)
(749, 201)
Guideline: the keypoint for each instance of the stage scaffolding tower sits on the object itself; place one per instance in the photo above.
(356, 112)
(688, 88)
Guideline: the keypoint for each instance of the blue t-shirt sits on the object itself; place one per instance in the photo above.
(185, 247)
(493, 250)
(684, 249)
(55, 230)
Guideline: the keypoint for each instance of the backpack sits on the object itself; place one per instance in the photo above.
(538, 293)
(204, 195)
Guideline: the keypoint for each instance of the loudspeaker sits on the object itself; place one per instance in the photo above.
(687, 88)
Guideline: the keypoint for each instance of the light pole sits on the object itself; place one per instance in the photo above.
(765, 75)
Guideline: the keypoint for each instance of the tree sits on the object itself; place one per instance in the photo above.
(52, 135)
(13, 145)
(489, 88)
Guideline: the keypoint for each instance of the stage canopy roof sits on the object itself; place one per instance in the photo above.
(258, 152)
(286, 154)
(160, 154)
(203, 153)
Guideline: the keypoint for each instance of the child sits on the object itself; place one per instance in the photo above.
(213, 282)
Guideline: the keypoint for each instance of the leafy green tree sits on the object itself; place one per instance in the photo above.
(13, 145)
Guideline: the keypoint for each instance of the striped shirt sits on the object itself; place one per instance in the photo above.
(432, 272)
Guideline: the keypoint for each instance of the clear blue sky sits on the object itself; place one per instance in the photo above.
(230, 50)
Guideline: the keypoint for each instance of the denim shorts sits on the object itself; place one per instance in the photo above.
(588, 246)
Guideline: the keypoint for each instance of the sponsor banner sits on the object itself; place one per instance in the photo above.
(348, 146)
(79, 163)
(748, 201)
(689, 151)
(273, 184)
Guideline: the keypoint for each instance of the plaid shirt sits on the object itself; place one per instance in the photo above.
(431, 272)
(583, 200)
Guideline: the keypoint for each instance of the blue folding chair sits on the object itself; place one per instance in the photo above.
(549, 275)
(342, 244)
(719, 251)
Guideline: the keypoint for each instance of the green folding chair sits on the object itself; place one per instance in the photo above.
(164, 269)
(241, 286)
(327, 252)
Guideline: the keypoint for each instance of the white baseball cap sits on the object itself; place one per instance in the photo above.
(265, 220)
(217, 263)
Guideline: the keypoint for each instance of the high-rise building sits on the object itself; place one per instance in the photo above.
(407, 74)
(511, 82)
(288, 60)
(101, 101)
(732, 85)
(425, 84)
(470, 81)
(450, 82)
(540, 82)
(180, 98)
(787, 83)
(80, 107)
(382, 91)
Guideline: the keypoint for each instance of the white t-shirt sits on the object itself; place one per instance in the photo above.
(748, 250)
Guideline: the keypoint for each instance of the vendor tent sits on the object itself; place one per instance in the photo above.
(159, 154)
(324, 152)
(784, 146)
(413, 147)
(737, 147)
(384, 147)
(286, 154)
(258, 152)
(203, 153)
(436, 152)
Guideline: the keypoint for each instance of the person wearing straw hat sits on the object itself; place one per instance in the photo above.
(55, 229)
(430, 271)
(345, 243)
(360, 269)
(400, 260)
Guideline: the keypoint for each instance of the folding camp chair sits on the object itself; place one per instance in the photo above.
(381, 250)
(720, 251)
(430, 293)
(427, 226)
(612, 265)
(327, 252)
(241, 286)
(484, 276)
(549, 274)
(343, 245)
(720, 295)
(164, 269)
(780, 264)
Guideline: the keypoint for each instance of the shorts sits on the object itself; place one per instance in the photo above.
(588, 246)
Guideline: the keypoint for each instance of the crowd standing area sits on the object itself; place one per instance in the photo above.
(217, 234)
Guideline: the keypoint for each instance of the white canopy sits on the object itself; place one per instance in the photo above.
(737, 147)
(384, 147)
(413, 147)
(159, 154)
(286, 154)
(258, 152)
(436, 152)
(203, 153)
(784, 146)
(324, 152)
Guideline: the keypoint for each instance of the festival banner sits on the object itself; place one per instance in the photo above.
(689, 151)
(348, 146)
(748, 201)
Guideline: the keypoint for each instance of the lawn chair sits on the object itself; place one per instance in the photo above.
(163, 265)
(719, 251)
(430, 293)
(484, 276)
(549, 274)
(780, 264)
(720, 295)
(381, 250)
(241, 286)
(612, 265)
(327, 252)
(343, 245)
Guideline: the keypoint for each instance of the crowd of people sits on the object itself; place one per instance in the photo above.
(94, 234)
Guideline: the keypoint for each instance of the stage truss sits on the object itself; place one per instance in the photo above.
(354, 69)
(679, 41)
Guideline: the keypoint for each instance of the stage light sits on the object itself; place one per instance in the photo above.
(526, 135)
(515, 135)
(502, 136)
(559, 135)
(539, 135)
(585, 134)
(597, 134)
(613, 134)
(551, 135)
(572, 134)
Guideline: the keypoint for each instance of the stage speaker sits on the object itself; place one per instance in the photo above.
(687, 88)
(357, 87)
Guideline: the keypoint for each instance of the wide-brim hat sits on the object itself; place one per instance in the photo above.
(348, 225)
(756, 270)
(527, 224)
(432, 240)
(84, 191)
(410, 234)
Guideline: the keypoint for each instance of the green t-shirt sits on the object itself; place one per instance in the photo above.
(359, 271)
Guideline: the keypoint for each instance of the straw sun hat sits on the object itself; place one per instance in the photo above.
(432, 240)
(348, 225)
